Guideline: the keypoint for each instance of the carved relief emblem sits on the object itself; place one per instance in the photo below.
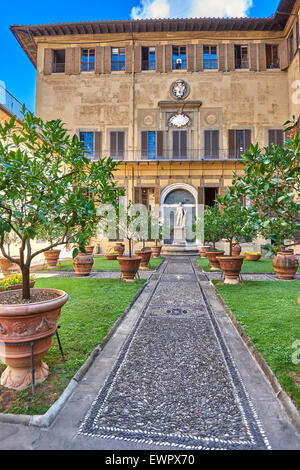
(180, 89)
(179, 120)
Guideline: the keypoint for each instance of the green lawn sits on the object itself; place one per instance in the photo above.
(270, 316)
(102, 264)
(91, 311)
(264, 265)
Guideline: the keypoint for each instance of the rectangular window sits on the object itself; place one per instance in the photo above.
(179, 145)
(148, 58)
(179, 57)
(239, 142)
(210, 60)
(291, 47)
(117, 59)
(211, 144)
(117, 145)
(152, 145)
(276, 136)
(272, 56)
(241, 57)
(92, 142)
(87, 60)
(59, 61)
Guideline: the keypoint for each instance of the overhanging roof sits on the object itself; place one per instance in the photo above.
(26, 34)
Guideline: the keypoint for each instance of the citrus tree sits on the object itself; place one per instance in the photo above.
(45, 179)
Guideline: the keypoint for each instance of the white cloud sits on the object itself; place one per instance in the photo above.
(190, 8)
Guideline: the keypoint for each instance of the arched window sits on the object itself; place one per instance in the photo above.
(179, 195)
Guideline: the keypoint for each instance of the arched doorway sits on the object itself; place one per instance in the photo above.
(170, 198)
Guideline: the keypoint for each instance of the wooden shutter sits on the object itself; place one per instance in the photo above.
(113, 144)
(247, 138)
(159, 51)
(272, 137)
(215, 144)
(231, 143)
(276, 137)
(98, 145)
(99, 59)
(253, 56)
(107, 59)
(284, 54)
(69, 61)
(137, 59)
(48, 59)
(77, 60)
(262, 57)
(121, 145)
(222, 59)
(207, 144)
(176, 144)
(191, 58)
(144, 145)
(128, 59)
(211, 143)
(160, 144)
(200, 196)
(168, 58)
(230, 58)
(183, 144)
(199, 57)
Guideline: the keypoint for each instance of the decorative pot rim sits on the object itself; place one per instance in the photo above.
(126, 258)
(238, 257)
(52, 251)
(15, 310)
(220, 252)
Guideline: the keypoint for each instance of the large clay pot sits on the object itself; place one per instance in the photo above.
(252, 257)
(52, 257)
(236, 249)
(285, 265)
(83, 264)
(6, 265)
(120, 247)
(145, 255)
(203, 251)
(231, 267)
(111, 257)
(129, 267)
(24, 323)
(213, 261)
(156, 249)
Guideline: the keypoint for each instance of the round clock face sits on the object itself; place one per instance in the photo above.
(179, 120)
(180, 89)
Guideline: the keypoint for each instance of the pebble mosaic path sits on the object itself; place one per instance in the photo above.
(174, 382)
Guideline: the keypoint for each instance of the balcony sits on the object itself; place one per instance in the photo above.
(10, 103)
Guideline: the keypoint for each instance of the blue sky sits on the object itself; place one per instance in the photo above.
(18, 73)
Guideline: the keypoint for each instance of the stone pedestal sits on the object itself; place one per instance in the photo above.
(179, 235)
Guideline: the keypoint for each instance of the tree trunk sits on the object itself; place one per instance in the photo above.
(26, 282)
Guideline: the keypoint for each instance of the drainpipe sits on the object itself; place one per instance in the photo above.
(133, 91)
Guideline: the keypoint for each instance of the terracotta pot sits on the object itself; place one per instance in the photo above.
(111, 257)
(6, 265)
(231, 267)
(89, 250)
(83, 264)
(250, 257)
(236, 249)
(129, 267)
(155, 250)
(212, 258)
(20, 286)
(203, 251)
(24, 324)
(52, 257)
(120, 247)
(145, 255)
(285, 265)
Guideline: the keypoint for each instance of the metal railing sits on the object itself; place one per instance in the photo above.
(9, 102)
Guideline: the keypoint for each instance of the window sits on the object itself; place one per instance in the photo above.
(87, 60)
(117, 59)
(92, 142)
(59, 60)
(241, 57)
(148, 58)
(152, 145)
(179, 57)
(117, 145)
(272, 56)
(239, 142)
(291, 47)
(179, 144)
(276, 137)
(210, 60)
(211, 144)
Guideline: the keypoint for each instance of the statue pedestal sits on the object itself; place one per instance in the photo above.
(179, 235)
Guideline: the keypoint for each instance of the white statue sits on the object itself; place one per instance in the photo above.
(180, 215)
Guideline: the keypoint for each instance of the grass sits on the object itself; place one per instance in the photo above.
(264, 265)
(102, 264)
(93, 307)
(270, 316)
